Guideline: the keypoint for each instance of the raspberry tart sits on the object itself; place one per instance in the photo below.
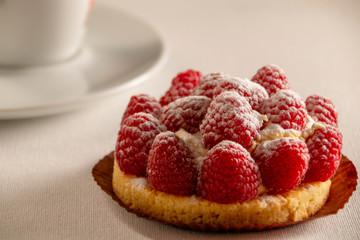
(220, 153)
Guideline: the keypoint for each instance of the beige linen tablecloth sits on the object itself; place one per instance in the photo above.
(47, 190)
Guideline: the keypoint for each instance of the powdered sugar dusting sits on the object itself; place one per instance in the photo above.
(272, 78)
(230, 117)
(208, 83)
(139, 182)
(229, 174)
(262, 118)
(181, 86)
(274, 131)
(309, 122)
(267, 149)
(218, 76)
(307, 132)
(231, 99)
(285, 108)
(253, 92)
(142, 103)
(268, 199)
(187, 113)
(199, 162)
(134, 142)
(325, 150)
(194, 142)
(171, 167)
(264, 149)
(322, 109)
(193, 199)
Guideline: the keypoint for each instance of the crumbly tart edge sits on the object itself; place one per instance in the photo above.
(264, 212)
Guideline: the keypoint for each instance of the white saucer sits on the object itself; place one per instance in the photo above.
(119, 52)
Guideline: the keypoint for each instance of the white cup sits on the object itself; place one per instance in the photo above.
(34, 32)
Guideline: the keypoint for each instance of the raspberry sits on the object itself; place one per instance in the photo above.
(230, 117)
(134, 141)
(282, 162)
(171, 167)
(229, 174)
(253, 92)
(325, 154)
(208, 83)
(181, 86)
(272, 78)
(186, 113)
(322, 109)
(285, 108)
(142, 103)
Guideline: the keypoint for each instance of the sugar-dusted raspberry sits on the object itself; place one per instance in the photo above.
(171, 167)
(272, 78)
(322, 109)
(253, 92)
(181, 86)
(230, 117)
(325, 154)
(142, 103)
(229, 174)
(285, 108)
(186, 113)
(134, 141)
(282, 162)
(208, 83)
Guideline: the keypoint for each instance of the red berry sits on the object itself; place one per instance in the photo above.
(188, 78)
(322, 109)
(253, 92)
(186, 113)
(208, 83)
(325, 154)
(142, 103)
(134, 141)
(230, 117)
(272, 78)
(181, 86)
(285, 108)
(171, 167)
(282, 162)
(229, 174)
